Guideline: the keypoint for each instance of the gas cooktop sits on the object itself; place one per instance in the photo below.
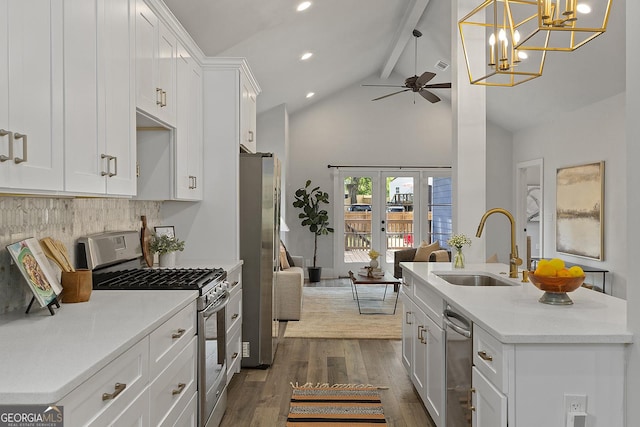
(158, 279)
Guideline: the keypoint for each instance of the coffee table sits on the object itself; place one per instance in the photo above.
(385, 280)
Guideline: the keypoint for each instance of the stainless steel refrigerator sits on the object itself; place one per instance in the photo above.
(259, 251)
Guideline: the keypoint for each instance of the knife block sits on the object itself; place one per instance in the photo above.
(76, 286)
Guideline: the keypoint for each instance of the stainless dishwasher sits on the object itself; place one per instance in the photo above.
(458, 363)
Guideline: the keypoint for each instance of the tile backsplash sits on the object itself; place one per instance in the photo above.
(64, 219)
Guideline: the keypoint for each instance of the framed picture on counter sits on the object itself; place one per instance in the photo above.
(165, 230)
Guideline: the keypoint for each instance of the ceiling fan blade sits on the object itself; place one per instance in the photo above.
(438, 86)
(385, 85)
(431, 97)
(425, 78)
(394, 93)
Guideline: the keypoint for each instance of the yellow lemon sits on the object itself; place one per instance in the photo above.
(576, 271)
(542, 262)
(557, 264)
(563, 273)
(545, 270)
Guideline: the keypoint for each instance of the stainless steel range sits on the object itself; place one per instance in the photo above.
(116, 261)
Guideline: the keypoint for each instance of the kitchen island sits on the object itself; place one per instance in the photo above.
(527, 356)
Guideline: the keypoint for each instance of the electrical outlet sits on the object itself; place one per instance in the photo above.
(245, 349)
(575, 403)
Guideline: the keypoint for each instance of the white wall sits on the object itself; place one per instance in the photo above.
(593, 133)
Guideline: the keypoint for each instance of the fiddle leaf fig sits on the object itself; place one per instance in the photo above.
(312, 215)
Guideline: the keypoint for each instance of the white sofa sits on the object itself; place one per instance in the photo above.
(289, 284)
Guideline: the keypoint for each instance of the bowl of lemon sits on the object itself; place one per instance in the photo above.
(552, 277)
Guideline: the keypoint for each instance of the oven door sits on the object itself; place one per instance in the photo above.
(212, 368)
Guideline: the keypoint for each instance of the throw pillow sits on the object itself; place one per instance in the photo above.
(289, 259)
(284, 264)
(424, 251)
(441, 255)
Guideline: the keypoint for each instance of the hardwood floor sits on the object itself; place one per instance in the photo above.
(261, 397)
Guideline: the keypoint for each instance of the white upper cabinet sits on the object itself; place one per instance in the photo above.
(31, 97)
(188, 144)
(248, 116)
(99, 117)
(155, 66)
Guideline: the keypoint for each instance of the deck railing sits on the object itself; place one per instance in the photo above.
(357, 227)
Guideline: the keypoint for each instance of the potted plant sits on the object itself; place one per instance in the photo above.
(314, 217)
(166, 246)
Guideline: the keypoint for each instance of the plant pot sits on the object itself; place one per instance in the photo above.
(167, 260)
(314, 273)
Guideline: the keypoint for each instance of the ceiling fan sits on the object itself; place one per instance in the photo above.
(418, 84)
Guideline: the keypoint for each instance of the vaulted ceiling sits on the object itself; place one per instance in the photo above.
(354, 40)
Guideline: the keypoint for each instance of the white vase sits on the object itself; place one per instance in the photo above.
(167, 260)
(373, 263)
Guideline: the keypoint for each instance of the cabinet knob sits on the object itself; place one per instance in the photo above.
(118, 388)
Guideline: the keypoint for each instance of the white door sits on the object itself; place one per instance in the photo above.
(377, 210)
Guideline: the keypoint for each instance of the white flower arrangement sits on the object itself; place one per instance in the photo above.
(459, 240)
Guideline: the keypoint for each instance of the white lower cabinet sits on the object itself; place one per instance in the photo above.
(423, 351)
(234, 322)
(153, 383)
(490, 405)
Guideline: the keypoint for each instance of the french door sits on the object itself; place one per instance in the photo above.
(377, 210)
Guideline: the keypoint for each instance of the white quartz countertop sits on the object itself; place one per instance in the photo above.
(45, 357)
(512, 314)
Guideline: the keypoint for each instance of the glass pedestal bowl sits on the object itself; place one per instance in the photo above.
(556, 288)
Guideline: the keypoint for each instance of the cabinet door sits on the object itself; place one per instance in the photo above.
(434, 389)
(408, 332)
(117, 104)
(188, 143)
(147, 23)
(419, 363)
(166, 63)
(248, 115)
(490, 405)
(32, 94)
(136, 414)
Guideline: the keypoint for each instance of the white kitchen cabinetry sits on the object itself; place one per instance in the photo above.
(99, 118)
(423, 346)
(234, 322)
(171, 160)
(155, 66)
(152, 383)
(490, 406)
(31, 95)
(248, 115)
(188, 136)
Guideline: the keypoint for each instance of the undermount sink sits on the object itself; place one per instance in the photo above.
(474, 280)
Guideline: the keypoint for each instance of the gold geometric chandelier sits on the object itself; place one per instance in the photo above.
(518, 33)
(498, 25)
(565, 25)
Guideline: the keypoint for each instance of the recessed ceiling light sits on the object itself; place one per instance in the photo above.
(310, 94)
(303, 6)
(306, 56)
(584, 8)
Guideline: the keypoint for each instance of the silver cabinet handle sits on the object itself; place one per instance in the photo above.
(406, 318)
(484, 356)
(159, 96)
(235, 283)
(119, 388)
(104, 156)
(4, 158)
(235, 355)
(235, 316)
(115, 166)
(179, 334)
(164, 98)
(422, 329)
(193, 182)
(23, 137)
(250, 136)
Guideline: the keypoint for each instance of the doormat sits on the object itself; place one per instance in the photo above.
(338, 405)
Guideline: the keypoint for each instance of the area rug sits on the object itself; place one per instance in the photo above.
(331, 312)
(339, 405)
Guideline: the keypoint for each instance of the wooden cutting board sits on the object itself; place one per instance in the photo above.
(145, 242)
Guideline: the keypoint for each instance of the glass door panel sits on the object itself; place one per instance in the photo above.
(357, 235)
(398, 224)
